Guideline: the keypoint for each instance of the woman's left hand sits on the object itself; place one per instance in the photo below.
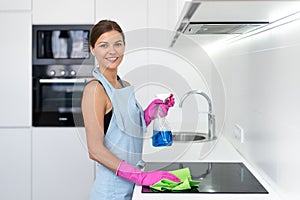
(150, 112)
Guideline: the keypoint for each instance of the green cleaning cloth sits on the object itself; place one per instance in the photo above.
(185, 183)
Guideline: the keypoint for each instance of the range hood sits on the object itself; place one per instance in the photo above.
(202, 19)
(221, 27)
(195, 19)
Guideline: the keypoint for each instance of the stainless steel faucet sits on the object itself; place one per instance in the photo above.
(211, 117)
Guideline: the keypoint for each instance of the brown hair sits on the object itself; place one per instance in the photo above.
(104, 26)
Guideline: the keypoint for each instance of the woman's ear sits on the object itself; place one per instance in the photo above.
(92, 50)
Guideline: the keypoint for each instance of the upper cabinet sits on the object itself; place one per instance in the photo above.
(144, 22)
(130, 14)
(63, 12)
(162, 14)
(15, 5)
(15, 79)
(138, 14)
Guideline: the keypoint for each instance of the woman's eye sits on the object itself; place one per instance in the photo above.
(119, 44)
(104, 46)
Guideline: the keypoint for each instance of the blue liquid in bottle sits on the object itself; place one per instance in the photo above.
(162, 138)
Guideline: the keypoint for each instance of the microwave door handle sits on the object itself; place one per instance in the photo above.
(82, 80)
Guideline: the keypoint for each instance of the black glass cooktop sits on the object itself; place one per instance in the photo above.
(214, 177)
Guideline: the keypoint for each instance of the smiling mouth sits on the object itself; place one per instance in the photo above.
(112, 59)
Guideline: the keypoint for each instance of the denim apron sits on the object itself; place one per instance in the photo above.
(124, 138)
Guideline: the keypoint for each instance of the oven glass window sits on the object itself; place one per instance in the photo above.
(57, 104)
(61, 97)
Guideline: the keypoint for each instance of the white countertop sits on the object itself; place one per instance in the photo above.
(222, 151)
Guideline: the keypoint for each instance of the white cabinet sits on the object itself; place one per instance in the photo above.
(130, 14)
(138, 14)
(15, 5)
(162, 14)
(137, 18)
(63, 11)
(61, 168)
(15, 78)
(15, 167)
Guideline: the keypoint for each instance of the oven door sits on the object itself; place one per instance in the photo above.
(57, 101)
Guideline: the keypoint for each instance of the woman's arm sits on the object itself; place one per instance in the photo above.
(94, 105)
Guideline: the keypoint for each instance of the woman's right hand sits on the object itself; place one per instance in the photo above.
(150, 178)
(137, 176)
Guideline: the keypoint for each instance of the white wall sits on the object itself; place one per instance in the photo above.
(262, 87)
(153, 68)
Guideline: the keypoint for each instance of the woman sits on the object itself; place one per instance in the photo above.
(114, 121)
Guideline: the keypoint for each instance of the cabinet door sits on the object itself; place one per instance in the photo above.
(15, 5)
(129, 14)
(63, 11)
(137, 14)
(15, 77)
(61, 168)
(15, 167)
(162, 14)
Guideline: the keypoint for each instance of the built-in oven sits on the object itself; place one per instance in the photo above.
(57, 100)
(62, 65)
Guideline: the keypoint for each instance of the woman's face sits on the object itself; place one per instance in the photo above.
(109, 50)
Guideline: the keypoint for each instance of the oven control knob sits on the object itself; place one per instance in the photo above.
(73, 72)
(52, 73)
(62, 72)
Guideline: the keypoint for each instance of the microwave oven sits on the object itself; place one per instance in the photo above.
(61, 44)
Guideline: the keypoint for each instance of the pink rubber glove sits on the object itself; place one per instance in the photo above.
(137, 176)
(151, 111)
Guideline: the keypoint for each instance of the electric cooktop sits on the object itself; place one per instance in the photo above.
(214, 177)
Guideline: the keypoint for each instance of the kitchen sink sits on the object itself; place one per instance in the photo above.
(183, 136)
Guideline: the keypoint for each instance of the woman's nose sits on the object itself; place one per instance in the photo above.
(111, 49)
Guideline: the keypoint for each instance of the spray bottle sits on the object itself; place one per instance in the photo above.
(162, 134)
